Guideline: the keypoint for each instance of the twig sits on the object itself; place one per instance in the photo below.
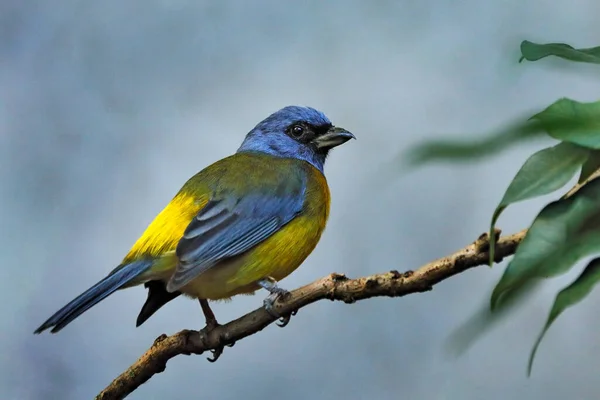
(332, 287)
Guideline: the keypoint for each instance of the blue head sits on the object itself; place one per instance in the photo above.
(296, 132)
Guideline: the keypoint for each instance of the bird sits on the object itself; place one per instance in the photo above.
(242, 224)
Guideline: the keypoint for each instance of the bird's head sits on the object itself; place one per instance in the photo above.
(296, 132)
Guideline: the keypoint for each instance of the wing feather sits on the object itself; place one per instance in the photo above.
(229, 225)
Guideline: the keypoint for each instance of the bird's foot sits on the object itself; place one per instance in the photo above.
(275, 293)
(216, 353)
(212, 324)
(269, 301)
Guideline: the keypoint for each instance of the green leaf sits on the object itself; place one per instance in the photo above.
(455, 150)
(544, 172)
(571, 121)
(563, 232)
(568, 297)
(591, 165)
(533, 52)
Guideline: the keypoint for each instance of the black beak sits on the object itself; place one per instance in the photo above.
(332, 138)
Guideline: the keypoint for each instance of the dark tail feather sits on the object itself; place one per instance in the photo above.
(157, 297)
(101, 290)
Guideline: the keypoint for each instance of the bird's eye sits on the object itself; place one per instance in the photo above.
(297, 131)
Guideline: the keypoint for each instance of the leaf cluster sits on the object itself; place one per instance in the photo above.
(566, 230)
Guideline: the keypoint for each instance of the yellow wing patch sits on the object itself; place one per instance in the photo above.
(163, 234)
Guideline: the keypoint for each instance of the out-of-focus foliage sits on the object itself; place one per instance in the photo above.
(566, 120)
(473, 148)
(571, 121)
(532, 52)
(567, 229)
(569, 296)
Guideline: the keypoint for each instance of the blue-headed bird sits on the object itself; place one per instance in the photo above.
(241, 224)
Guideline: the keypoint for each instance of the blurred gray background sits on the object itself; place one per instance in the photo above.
(106, 108)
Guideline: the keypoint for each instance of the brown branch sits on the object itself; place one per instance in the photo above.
(332, 287)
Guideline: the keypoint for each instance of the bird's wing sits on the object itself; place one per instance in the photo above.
(231, 224)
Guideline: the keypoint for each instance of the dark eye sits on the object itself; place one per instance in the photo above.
(297, 131)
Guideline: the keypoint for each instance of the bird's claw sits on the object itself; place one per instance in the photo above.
(284, 320)
(216, 353)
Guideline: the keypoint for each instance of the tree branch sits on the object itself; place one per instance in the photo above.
(332, 287)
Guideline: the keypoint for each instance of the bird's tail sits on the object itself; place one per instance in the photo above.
(120, 277)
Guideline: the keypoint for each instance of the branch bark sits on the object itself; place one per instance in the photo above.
(333, 287)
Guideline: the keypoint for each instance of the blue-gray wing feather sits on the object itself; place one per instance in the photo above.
(229, 226)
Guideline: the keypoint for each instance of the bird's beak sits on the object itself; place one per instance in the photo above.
(332, 138)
